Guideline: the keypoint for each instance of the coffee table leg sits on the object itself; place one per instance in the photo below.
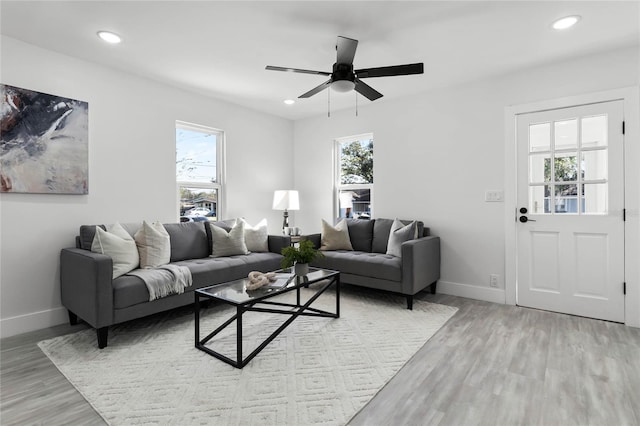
(239, 336)
(196, 310)
(338, 296)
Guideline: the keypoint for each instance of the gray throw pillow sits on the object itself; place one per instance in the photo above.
(400, 234)
(230, 243)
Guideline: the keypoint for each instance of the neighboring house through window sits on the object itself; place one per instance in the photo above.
(354, 177)
(199, 171)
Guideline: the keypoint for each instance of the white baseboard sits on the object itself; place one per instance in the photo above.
(488, 294)
(32, 321)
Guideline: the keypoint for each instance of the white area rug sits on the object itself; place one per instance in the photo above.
(318, 371)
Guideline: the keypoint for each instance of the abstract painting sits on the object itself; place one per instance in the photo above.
(44, 143)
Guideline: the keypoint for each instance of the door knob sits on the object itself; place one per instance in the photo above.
(525, 219)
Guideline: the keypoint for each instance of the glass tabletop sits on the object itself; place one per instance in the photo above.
(236, 293)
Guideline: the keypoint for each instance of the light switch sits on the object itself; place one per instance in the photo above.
(494, 196)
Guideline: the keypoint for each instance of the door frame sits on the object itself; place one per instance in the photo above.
(630, 96)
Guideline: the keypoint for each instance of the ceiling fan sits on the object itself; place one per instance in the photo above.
(344, 78)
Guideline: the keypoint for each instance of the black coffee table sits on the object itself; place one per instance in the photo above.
(235, 293)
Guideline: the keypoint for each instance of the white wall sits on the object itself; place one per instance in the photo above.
(436, 153)
(131, 171)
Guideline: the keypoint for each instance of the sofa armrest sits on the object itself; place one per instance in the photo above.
(86, 285)
(278, 242)
(420, 264)
(314, 238)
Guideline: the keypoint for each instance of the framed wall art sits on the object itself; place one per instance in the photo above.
(44, 143)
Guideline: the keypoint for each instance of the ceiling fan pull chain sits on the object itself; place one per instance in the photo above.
(356, 104)
(329, 103)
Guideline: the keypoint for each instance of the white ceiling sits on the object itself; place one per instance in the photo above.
(220, 49)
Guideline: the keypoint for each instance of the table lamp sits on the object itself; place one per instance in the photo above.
(286, 200)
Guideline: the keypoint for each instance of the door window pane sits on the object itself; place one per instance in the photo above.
(594, 165)
(594, 131)
(539, 199)
(540, 137)
(566, 134)
(566, 199)
(595, 198)
(566, 167)
(540, 168)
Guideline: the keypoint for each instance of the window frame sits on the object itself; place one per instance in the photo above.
(337, 186)
(219, 184)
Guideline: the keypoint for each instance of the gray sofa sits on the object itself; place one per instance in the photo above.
(368, 264)
(89, 292)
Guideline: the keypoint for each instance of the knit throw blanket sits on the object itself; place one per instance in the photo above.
(164, 280)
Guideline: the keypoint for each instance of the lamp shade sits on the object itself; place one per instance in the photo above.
(286, 200)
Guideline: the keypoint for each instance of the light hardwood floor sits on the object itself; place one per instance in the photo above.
(490, 364)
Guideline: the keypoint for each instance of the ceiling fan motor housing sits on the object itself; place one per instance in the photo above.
(343, 79)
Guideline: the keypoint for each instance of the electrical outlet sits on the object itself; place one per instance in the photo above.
(493, 280)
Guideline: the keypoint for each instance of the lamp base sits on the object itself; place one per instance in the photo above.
(285, 221)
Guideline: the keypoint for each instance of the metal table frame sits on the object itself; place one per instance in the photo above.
(250, 305)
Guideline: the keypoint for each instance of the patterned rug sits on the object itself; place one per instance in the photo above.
(317, 371)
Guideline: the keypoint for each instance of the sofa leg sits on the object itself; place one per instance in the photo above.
(73, 318)
(103, 332)
(410, 302)
(433, 287)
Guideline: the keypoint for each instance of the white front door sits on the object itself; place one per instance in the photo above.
(570, 201)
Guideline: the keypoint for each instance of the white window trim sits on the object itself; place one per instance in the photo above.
(337, 186)
(219, 184)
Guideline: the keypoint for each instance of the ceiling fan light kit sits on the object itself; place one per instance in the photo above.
(344, 78)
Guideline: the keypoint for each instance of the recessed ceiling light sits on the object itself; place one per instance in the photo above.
(109, 37)
(566, 22)
(289, 101)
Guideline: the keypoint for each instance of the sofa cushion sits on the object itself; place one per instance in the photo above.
(335, 238)
(230, 243)
(399, 234)
(376, 265)
(129, 290)
(119, 245)
(153, 245)
(188, 240)
(381, 231)
(360, 234)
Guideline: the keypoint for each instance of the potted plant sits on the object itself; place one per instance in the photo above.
(299, 257)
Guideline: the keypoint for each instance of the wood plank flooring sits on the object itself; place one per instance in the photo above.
(490, 364)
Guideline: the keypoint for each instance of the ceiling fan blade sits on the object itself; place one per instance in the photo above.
(391, 71)
(346, 48)
(272, 68)
(367, 91)
(316, 90)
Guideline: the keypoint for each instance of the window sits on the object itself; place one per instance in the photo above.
(199, 171)
(568, 166)
(354, 177)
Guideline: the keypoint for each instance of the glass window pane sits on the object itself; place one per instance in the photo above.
(566, 134)
(594, 198)
(594, 131)
(566, 167)
(539, 168)
(566, 199)
(540, 137)
(195, 156)
(539, 199)
(594, 165)
(354, 203)
(198, 204)
(356, 162)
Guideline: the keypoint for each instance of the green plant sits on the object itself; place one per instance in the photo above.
(304, 253)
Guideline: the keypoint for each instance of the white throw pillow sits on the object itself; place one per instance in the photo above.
(154, 245)
(335, 238)
(398, 235)
(119, 246)
(256, 237)
(230, 243)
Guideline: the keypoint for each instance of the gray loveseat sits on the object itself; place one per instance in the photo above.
(368, 264)
(89, 292)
